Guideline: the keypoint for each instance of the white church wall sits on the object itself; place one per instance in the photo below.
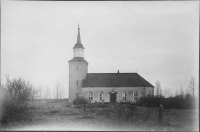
(130, 92)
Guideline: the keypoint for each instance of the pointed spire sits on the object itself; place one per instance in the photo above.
(78, 43)
(79, 37)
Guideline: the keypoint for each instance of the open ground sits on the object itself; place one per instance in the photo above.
(64, 117)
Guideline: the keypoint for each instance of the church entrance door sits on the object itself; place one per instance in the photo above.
(113, 97)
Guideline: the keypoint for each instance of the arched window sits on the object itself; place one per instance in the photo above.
(101, 96)
(136, 96)
(90, 95)
(124, 96)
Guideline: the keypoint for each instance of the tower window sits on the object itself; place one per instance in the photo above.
(90, 95)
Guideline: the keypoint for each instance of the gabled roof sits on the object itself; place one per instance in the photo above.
(78, 59)
(115, 79)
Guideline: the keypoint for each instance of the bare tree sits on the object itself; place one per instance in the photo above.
(158, 89)
(47, 93)
(2, 94)
(176, 92)
(61, 93)
(19, 90)
(57, 90)
(167, 92)
(34, 95)
(192, 86)
(54, 94)
(39, 92)
(181, 92)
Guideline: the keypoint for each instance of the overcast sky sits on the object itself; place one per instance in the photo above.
(159, 39)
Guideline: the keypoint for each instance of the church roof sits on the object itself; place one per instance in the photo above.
(78, 43)
(115, 79)
(78, 59)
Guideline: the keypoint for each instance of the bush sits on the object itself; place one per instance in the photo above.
(177, 102)
(150, 101)
(80, 100)
(14, 112)
(124, 114)
(14, 104)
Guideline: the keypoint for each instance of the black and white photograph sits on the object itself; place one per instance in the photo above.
(99, 66)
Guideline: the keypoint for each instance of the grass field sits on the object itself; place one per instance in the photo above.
(63, 117)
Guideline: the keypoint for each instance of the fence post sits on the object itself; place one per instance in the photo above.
(160, 114)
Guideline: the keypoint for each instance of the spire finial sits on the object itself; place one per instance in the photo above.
(79, 37)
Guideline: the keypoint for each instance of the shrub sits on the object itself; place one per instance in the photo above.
(177, 102)
(80, 100)
(124, 114)
(150, 101)
(14, 112)
(14, 104)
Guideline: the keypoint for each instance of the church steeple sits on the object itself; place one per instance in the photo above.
(78, 47)
(78, 43)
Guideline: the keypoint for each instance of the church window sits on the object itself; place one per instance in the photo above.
(101, 96)
(136, 96)
(124, 96)
(90, 95)
(77, 49)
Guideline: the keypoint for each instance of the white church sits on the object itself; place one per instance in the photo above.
(103, 87)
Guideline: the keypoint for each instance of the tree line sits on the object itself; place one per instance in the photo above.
(181, 99)
(160, 92)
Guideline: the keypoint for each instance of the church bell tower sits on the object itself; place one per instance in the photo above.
(78, 68)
